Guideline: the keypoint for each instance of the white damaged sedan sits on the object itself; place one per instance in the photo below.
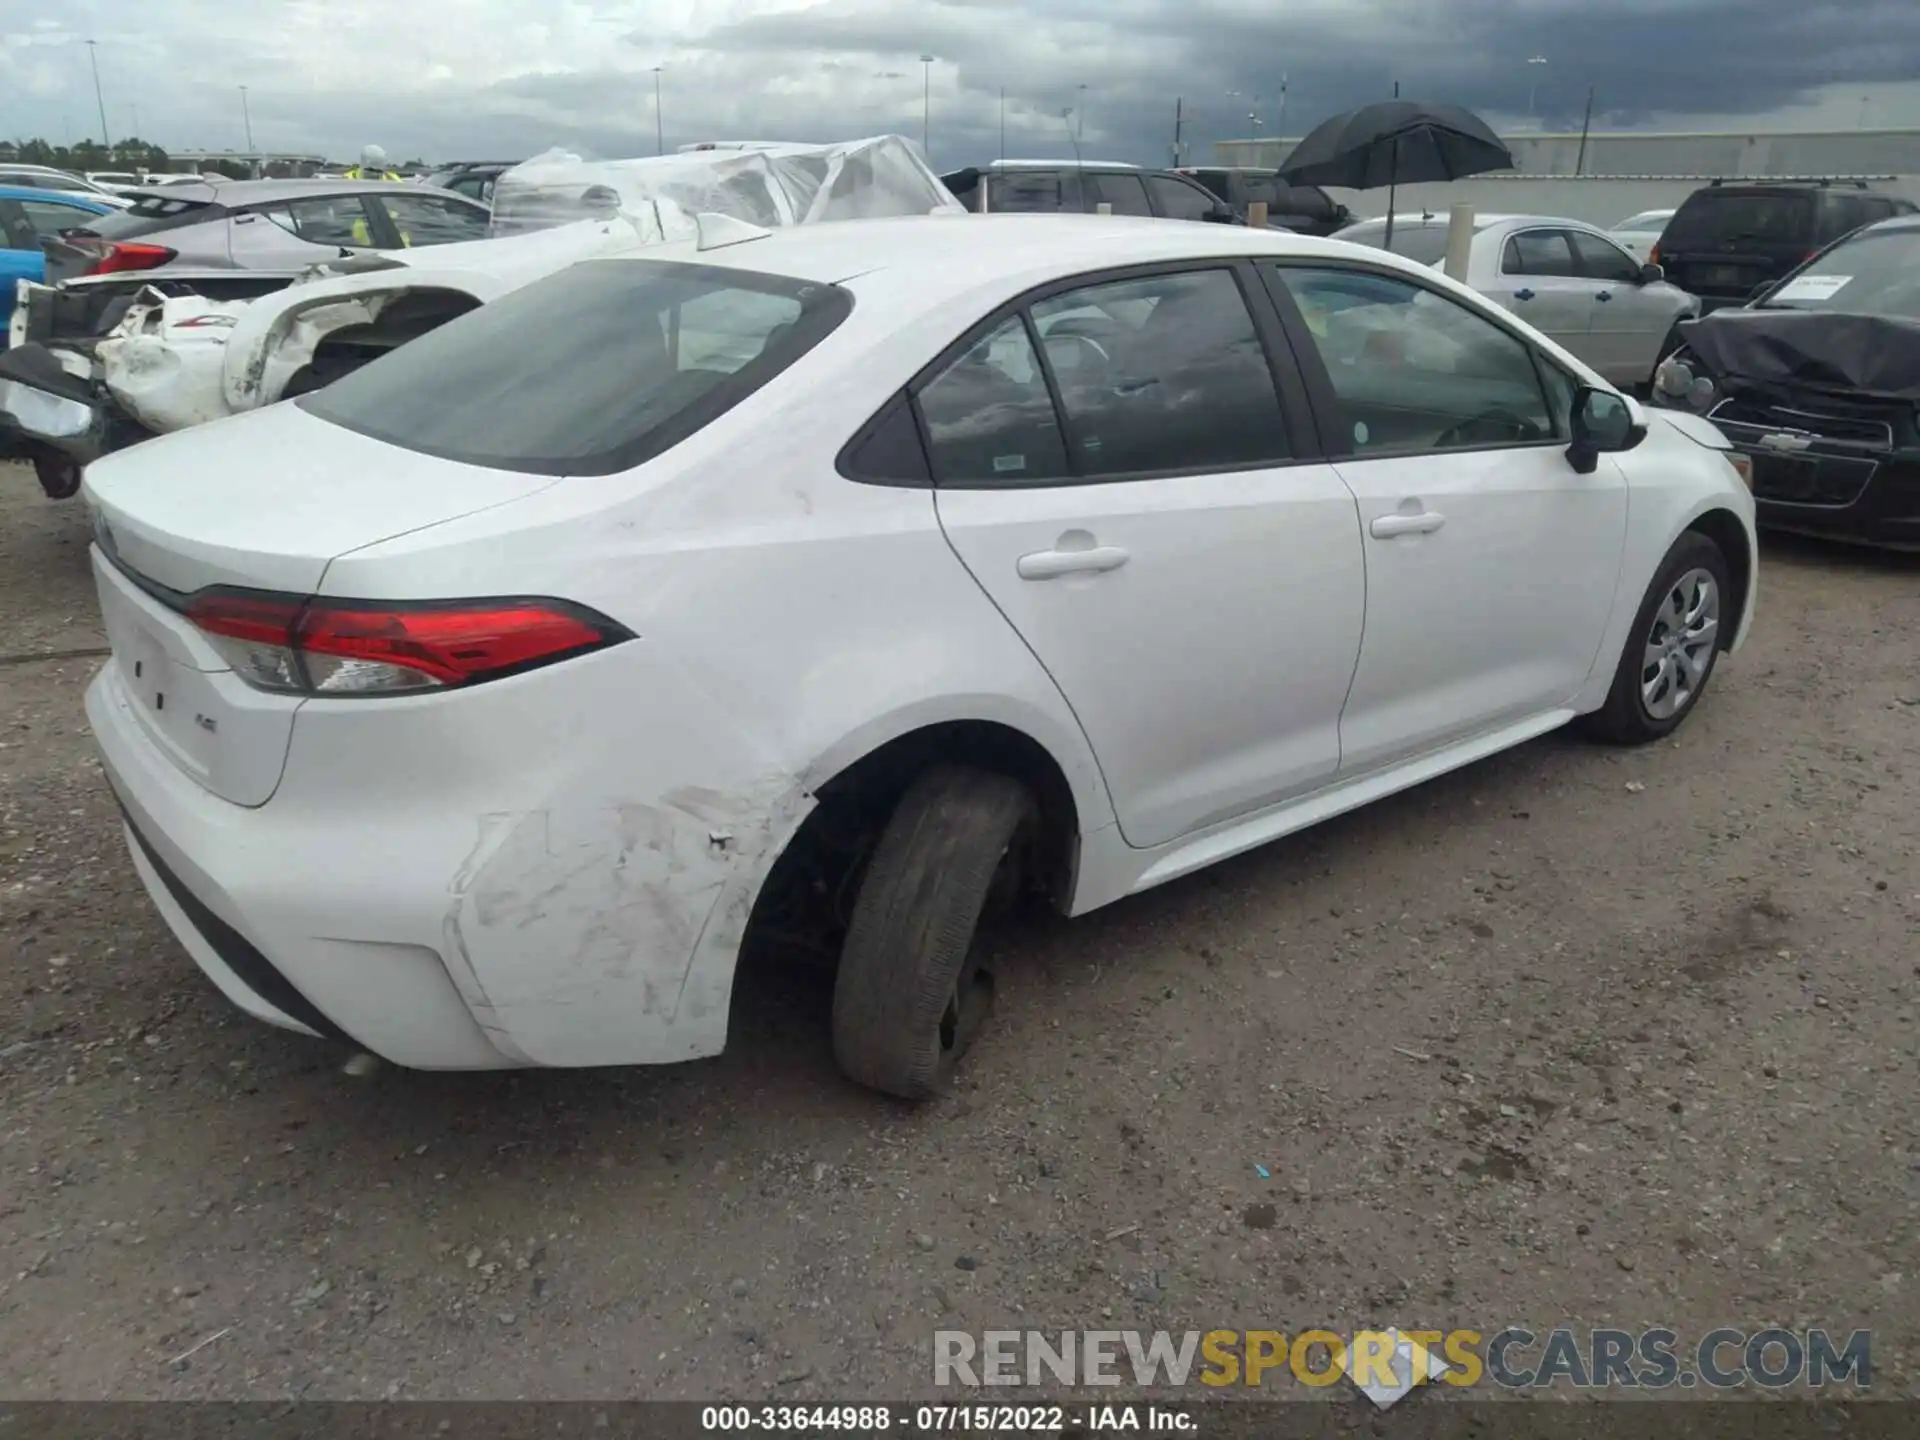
(842, 585)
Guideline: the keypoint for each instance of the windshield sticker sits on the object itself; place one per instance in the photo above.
(1813, 287)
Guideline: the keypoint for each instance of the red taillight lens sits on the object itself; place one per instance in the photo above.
(452, 646)
(331, 647)
(1653, 255)
(129, 255)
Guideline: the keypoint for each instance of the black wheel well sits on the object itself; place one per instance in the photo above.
(805, 901)
(1723, 527)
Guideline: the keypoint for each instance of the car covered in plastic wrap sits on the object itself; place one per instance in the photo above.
(178, 360)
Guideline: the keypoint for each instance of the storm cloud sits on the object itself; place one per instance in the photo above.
(509, 77)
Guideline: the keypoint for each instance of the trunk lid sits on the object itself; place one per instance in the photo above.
(263, 501)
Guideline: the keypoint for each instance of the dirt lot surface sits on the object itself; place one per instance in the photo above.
(1573, 1036)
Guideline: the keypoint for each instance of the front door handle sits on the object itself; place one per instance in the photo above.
(1051, 564)
(1604, 296)
(1523, 294)
(1386, 527)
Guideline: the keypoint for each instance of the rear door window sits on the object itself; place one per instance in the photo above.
(1041, 192)
(337, 220)
(1124, 193)
(1538, 252)
(1179, 201)
(149, 216)
(590, 371)
(1711, 219)
(1162, 373)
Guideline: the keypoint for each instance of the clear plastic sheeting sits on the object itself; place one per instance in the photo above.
(773, 186)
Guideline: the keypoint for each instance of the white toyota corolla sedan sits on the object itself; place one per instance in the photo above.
(843, 584)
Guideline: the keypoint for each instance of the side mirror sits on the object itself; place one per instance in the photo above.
(1759, 292)
(1224, 214)
(1652, 274)
(1603, 423)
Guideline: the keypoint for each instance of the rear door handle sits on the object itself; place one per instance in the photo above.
(1385, 527)
(1604, 296)
(1051, 564)
(1523, 294)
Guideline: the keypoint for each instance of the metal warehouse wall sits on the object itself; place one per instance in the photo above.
(1830, 152)
(1597, 199)
(1627, 173)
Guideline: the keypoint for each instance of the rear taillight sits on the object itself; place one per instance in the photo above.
(113, 258)
(359, 647)
(1653, 255)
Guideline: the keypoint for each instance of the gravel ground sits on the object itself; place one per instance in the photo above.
(1573, 1036)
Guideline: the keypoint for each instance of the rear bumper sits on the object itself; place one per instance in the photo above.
(201, 861)
(468, 885)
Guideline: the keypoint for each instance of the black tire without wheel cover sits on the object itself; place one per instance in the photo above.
(58, 476)
(912, 989)
(1670, 651)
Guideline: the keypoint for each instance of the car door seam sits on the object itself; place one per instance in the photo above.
(1065, 699)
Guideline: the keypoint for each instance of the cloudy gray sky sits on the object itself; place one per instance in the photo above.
(477, 78)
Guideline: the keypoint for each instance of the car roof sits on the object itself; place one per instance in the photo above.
(1061, 165)
(95, 203)
(947, 256)
(1425, 221)
(234, 193)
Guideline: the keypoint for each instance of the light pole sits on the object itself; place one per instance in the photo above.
(1003, 122)
(659, 125)
(1080, 112)
(93, 58)
(246, 115)
(1533, 90)
(926, 105)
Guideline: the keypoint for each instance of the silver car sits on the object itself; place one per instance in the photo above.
(1571, 281)
(278, 225)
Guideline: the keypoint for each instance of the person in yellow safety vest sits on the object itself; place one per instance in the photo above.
(372, 166)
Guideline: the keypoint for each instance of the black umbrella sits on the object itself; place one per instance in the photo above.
(1393, 141)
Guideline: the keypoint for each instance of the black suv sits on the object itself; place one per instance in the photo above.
(1304, 208)
(1731, 238)
(1049, 187)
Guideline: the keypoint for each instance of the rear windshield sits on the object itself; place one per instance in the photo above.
(587, 372)
(1422, 244)
(1723, 217)
(1029, 192)
(1877, 272)
(149, 215)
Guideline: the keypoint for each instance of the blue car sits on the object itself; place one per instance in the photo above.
(28, 217)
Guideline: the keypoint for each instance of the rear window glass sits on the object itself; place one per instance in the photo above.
(1720, 217)
(1422, 244)
(587, 372)
(151, 214)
